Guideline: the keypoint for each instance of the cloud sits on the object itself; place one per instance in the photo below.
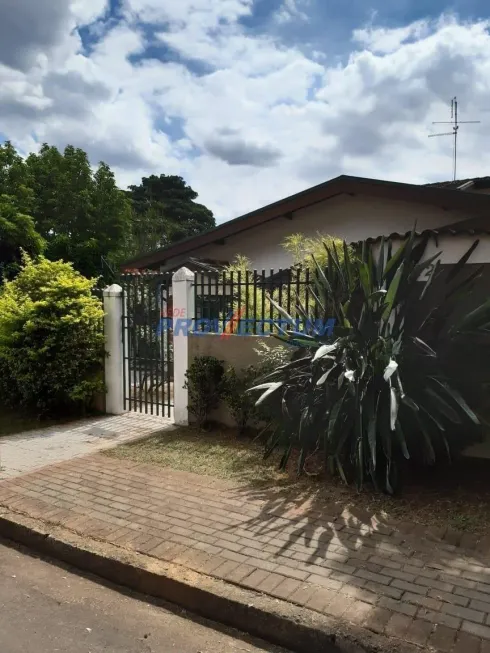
(235, 150)
(28, 28)
(289, 11)
(189, 87)
(385, 40)
(30, 31)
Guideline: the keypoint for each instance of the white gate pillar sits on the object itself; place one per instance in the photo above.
(183, 317)
(114, 363)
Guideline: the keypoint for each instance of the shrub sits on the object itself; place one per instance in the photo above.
(307, 251)
(234, 393)
(270, 357)
(380, 390)
(241, 404)
(51, 338)
(204, 383)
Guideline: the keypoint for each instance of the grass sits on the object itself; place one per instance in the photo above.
(12, 422)
(219, 453)
(456, 495)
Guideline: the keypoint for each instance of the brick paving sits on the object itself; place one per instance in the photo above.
(340, 563)
(24, 452)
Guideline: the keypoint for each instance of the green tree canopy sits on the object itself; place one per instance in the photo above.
(165, 211)
(82, 215)
(15, 180)
(17, 233)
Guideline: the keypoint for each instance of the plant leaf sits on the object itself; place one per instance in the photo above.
(424, 346)
(324, 376)
(324, 351)
(462, 262)
(391, 294)
(458, 399)
(443, 407)
(389, 369)
(272, 388)
(350, 375)
(393, 408)
(401, 440)
(395, 258)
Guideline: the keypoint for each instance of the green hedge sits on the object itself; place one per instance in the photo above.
(51, 339)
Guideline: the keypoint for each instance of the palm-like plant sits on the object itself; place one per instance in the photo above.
(377, 391)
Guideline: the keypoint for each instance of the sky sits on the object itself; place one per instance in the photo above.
(249, 100)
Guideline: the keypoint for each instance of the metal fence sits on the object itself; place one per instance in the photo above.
(240, 301)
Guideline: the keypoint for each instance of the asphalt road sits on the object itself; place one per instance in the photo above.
(45, 608)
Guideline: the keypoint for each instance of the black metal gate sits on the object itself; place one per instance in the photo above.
(147, 342)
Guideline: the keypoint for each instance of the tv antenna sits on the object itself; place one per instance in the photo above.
(455, 123)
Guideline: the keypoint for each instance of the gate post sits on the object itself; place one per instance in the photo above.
(114, 363)
(183, 312)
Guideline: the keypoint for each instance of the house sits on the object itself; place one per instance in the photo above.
(351, 208)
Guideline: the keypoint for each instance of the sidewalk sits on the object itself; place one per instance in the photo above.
(430, 594)
(30, 450)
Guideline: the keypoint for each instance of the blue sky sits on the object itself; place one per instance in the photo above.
(249, 100)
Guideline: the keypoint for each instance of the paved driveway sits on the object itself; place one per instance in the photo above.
(31, 450)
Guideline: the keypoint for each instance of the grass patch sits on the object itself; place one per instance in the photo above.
(219, 453)
(457, 495)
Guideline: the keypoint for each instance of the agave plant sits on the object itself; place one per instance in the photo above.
(378, 390)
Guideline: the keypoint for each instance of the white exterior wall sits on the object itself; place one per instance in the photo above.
(350, 218)
(453, 248)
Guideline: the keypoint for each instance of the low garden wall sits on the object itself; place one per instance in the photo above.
(235, 350)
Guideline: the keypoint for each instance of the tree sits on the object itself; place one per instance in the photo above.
(17, 234)
(164, 208)
(15, 180)
(83, 216)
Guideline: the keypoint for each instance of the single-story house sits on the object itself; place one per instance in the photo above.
(351, 208)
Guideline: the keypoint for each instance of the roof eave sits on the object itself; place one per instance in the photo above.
(443, 197)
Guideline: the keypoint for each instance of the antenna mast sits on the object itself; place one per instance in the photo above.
(455, 124)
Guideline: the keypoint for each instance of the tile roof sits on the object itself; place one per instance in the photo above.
(478, 182)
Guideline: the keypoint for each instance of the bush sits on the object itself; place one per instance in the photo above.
(234, 392)
(380, 390)
(272, 357)
(204, 383)
(241, 404)
(51, 338)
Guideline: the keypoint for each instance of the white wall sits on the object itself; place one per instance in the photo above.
(350, 218)
(453, 248)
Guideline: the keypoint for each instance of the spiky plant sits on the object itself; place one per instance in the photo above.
(377, 391)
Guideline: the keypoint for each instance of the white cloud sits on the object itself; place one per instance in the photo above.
(290, 11)
(206, 14)
(384, 40)
(245, 118)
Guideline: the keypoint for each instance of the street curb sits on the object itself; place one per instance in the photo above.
(273, 620)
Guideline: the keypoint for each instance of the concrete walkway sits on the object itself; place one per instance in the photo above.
(30, 450)
(347, 566)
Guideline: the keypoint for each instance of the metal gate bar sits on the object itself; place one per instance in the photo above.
(147, 343)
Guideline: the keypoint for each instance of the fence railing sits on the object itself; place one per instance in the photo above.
(240, 301)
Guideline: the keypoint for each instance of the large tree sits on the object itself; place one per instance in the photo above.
(83, 216)
(17, 228)
(165, 211)
(15, 180)
(17, 235)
